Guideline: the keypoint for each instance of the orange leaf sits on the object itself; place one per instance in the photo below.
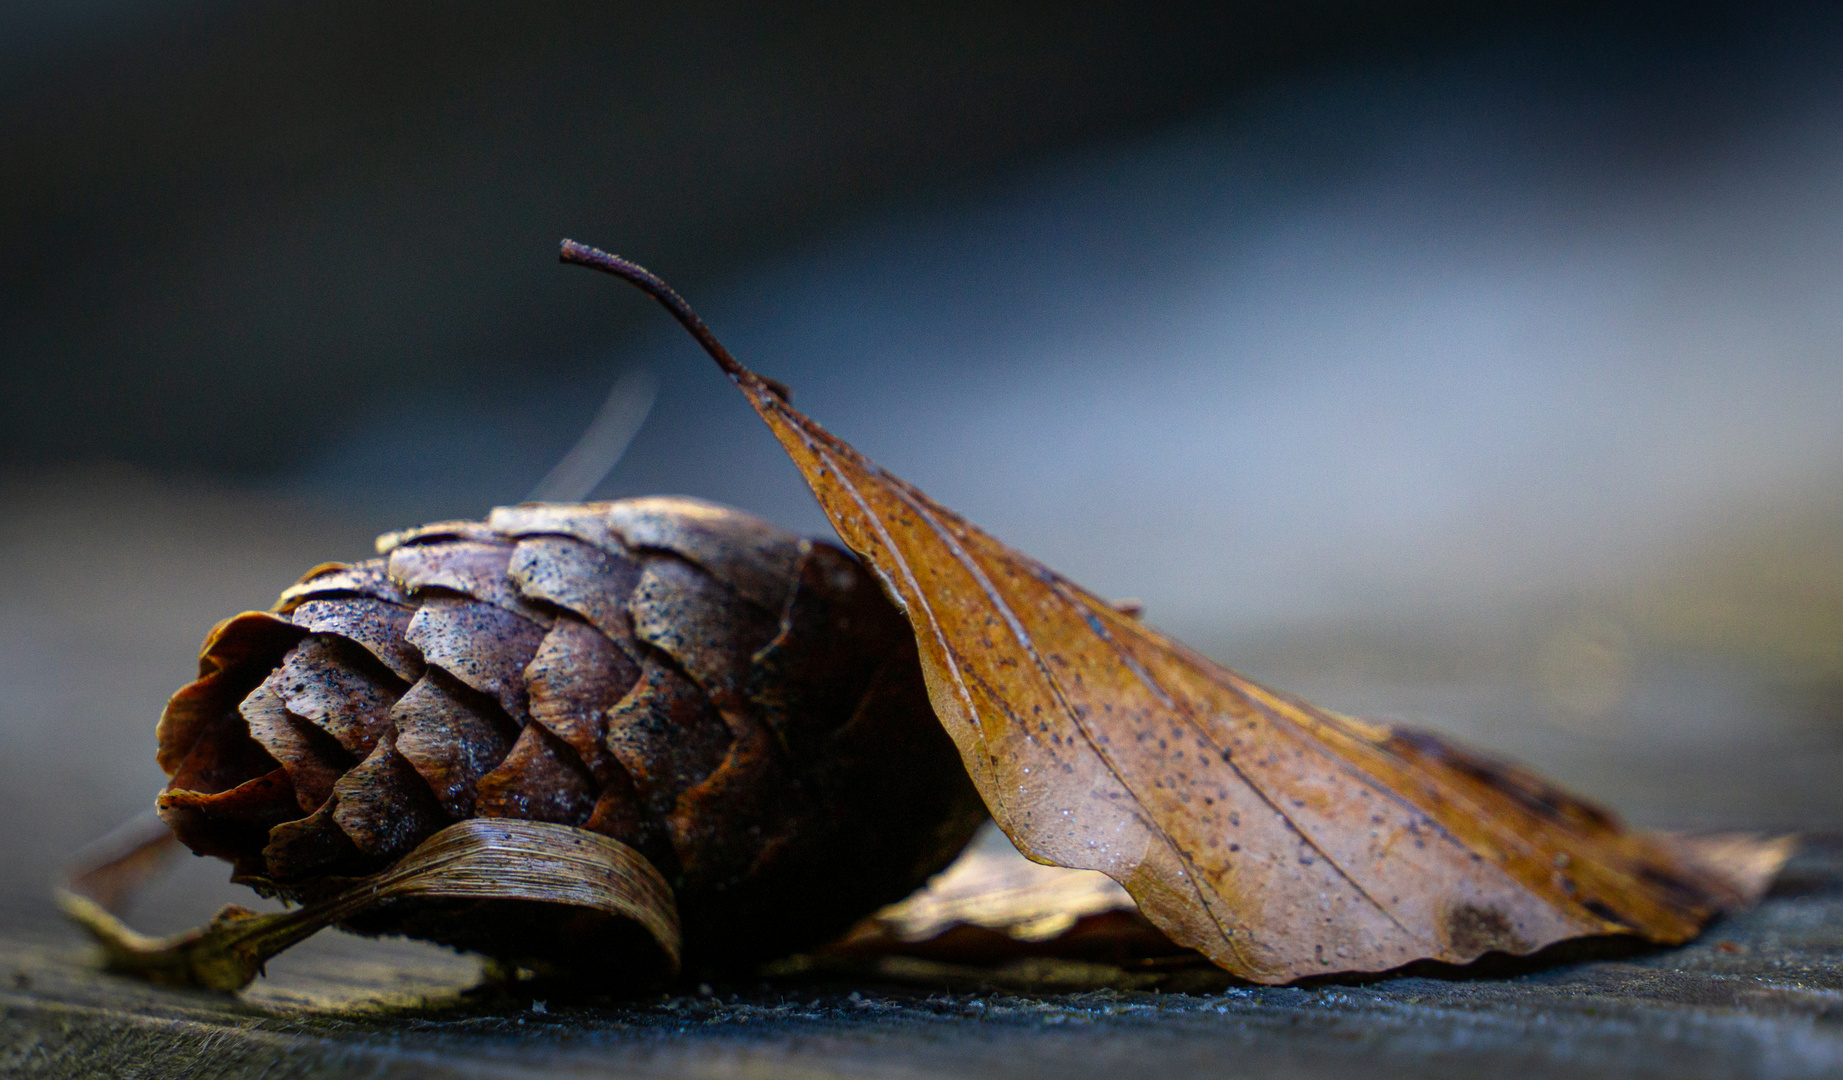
(1279, 839)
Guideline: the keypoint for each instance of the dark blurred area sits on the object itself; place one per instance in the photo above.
(227, 224)
(1475, 367)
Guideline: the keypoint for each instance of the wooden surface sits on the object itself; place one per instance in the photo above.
(1760, 995)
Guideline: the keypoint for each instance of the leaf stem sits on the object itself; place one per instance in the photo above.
(654, 286)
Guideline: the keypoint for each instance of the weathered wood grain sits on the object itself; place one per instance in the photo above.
(1759, 995)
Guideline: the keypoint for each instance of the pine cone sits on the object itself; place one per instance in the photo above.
(741, 706)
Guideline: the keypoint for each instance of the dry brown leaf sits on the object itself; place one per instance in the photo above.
(1279, 839)
(592, 888)
(993, 907)
(995, 915)
(994, 887)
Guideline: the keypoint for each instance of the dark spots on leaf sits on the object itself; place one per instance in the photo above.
(1472, 930)
(1234, 847)
(1602, 910)
(1527, 790)
(1681, 893)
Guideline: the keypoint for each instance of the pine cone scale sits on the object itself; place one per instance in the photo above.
(377, 626)
(701, 624)
(330, 580)
(315, 844)
(228, 668)
(312, 767)
(541, 779)
(666, 735)
(837, 629)
(481, 645)
(753, 557)
(384, 806)
(589, 524)
(336, 685)
(451, 735)
(578, 675)
(226, 823)
(577, 577)
(471, 568)
(719, 831)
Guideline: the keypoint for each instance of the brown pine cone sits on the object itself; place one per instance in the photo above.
(741, 706)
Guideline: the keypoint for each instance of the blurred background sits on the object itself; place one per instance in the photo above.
(1470, 366)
